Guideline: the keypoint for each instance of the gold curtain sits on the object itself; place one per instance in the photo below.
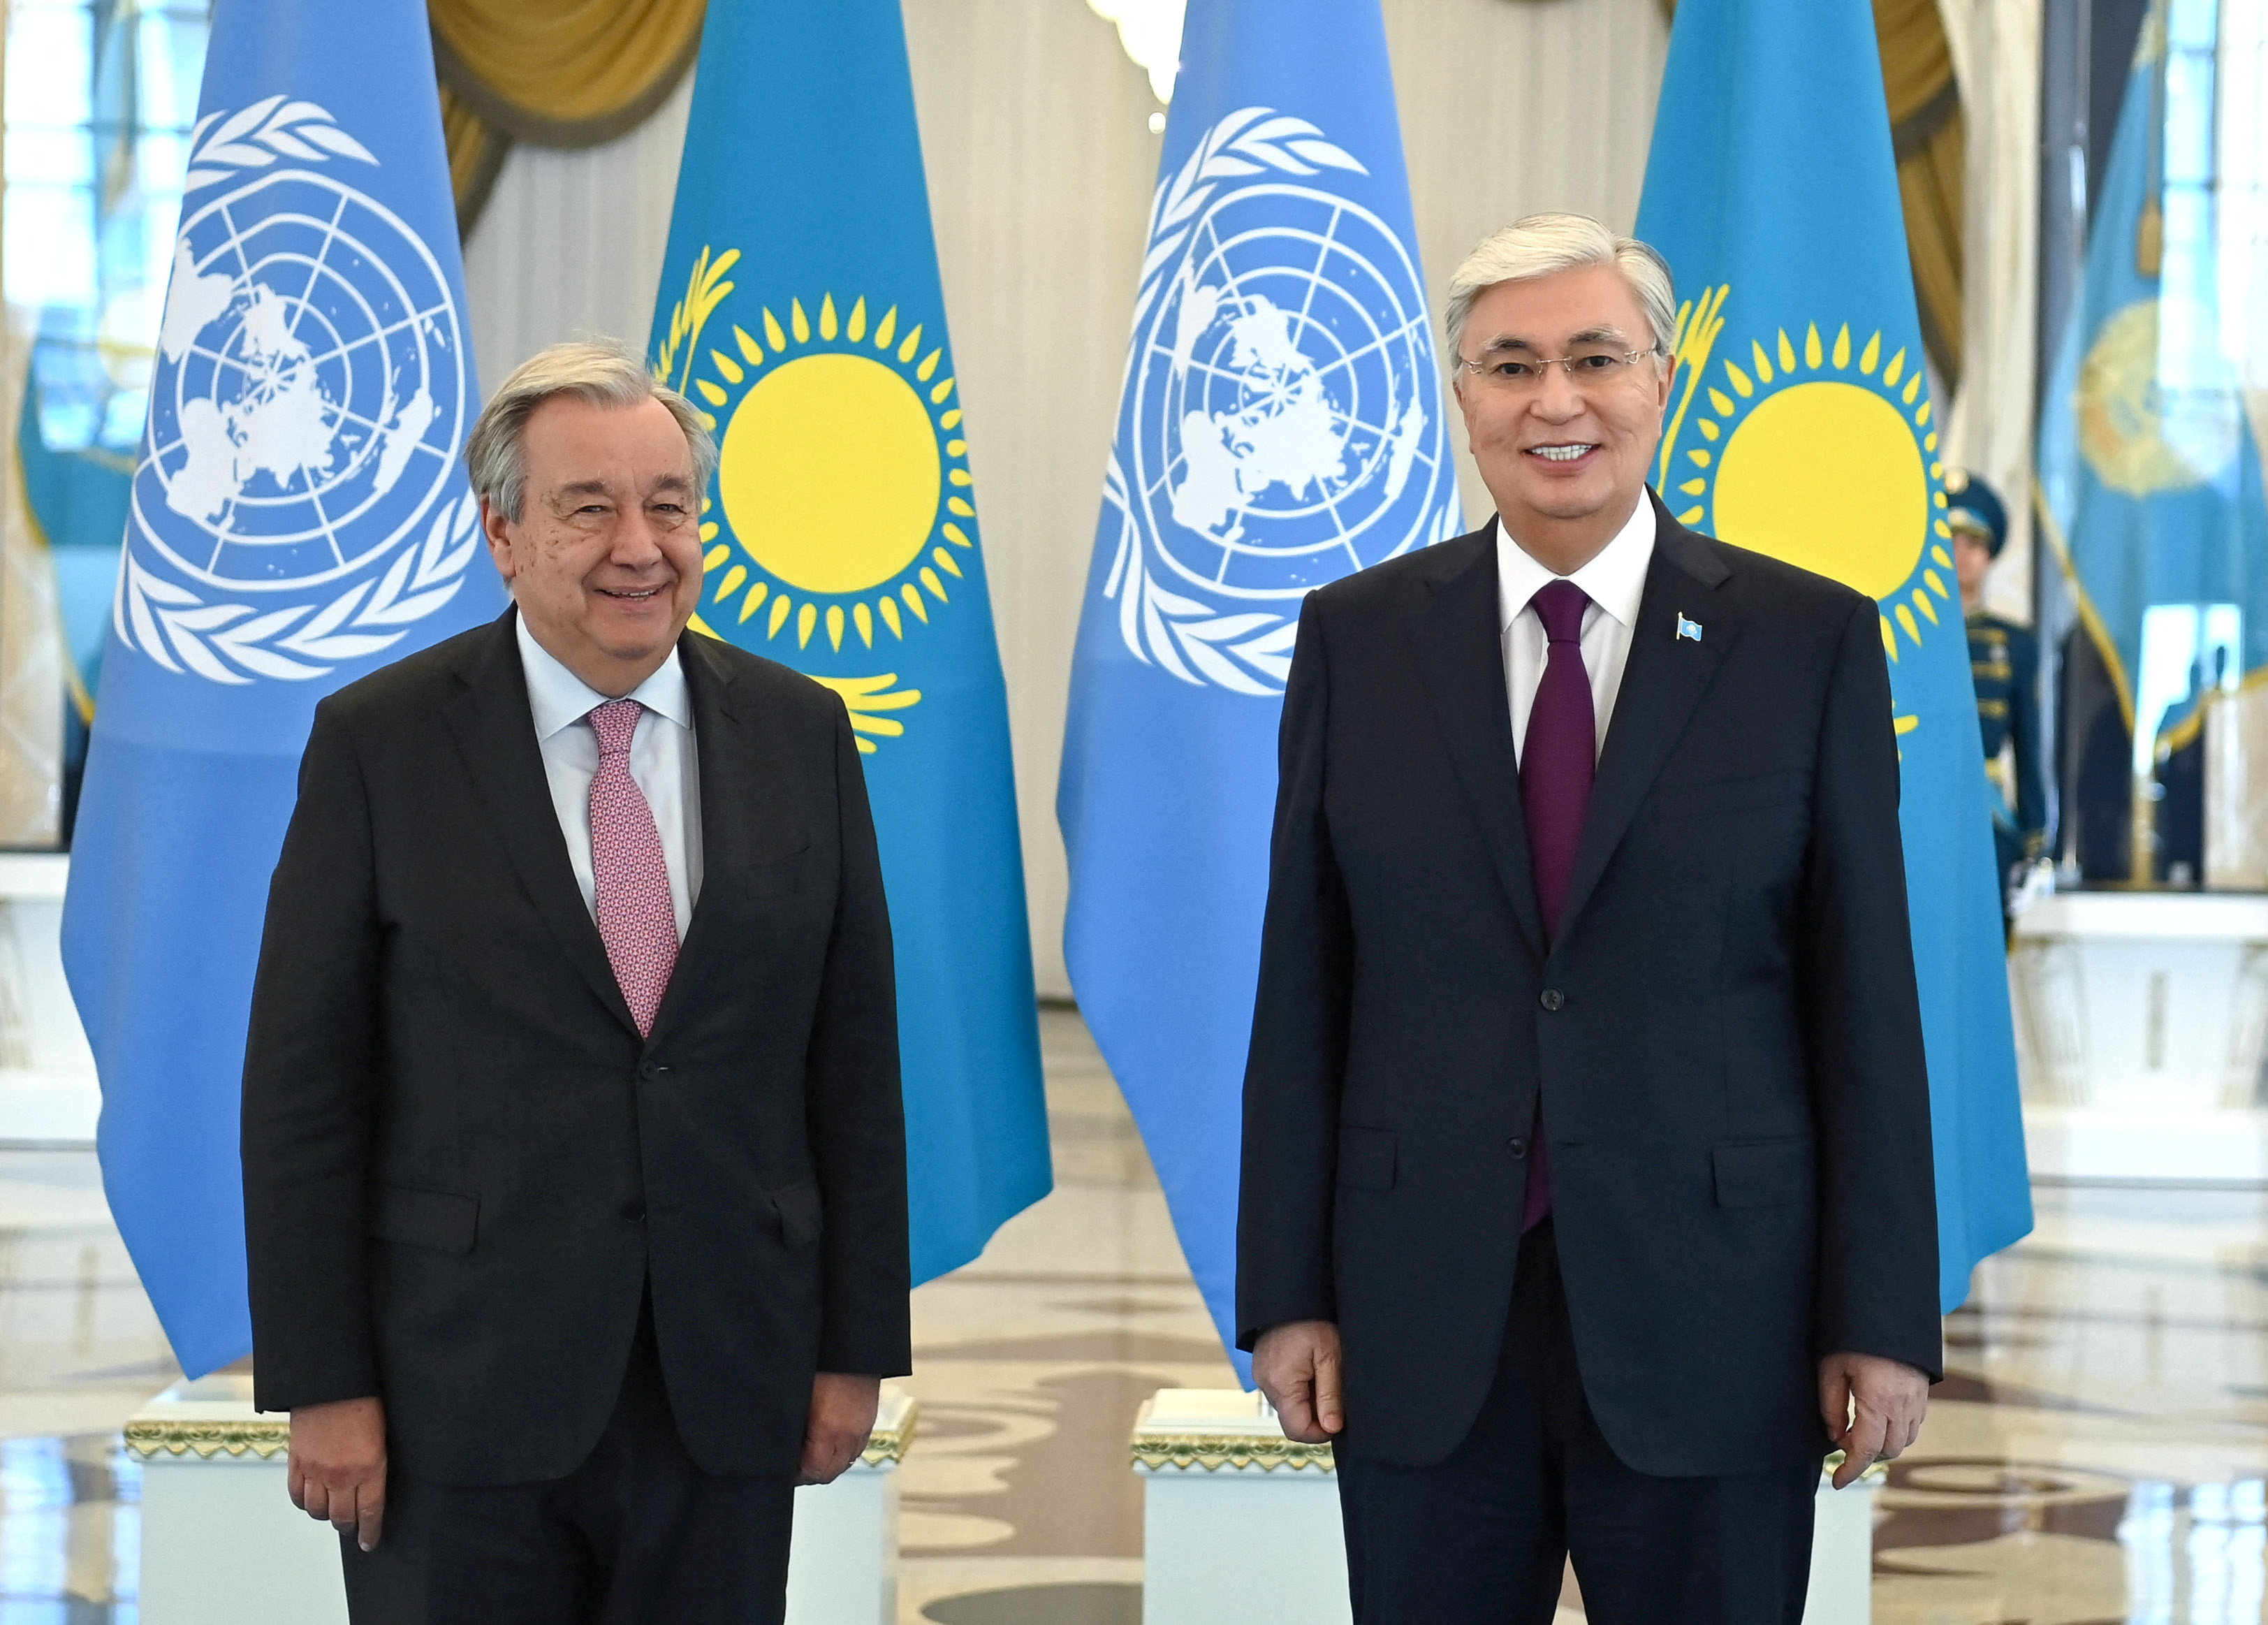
(1931, 141)
(555, 73)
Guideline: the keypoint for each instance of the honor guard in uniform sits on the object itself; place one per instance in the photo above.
(2004, 660)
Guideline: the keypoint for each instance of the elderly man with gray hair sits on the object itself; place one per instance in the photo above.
(574, 1161)
(1588, 1192)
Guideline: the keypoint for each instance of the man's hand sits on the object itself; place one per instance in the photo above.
(842, 1410)
(338, 1466)
(1872, 1408)
(1297, 1366)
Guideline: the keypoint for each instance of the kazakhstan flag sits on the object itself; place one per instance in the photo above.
(800, 309)
(1801, 426)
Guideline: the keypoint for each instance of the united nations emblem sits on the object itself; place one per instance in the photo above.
(1284, 412)
(298, 503)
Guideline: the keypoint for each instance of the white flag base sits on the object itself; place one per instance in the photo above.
(2141, 1018)
(1240, 1524)
(223, 1545)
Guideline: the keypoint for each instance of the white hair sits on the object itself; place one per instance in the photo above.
(602, 373)
(1543, 244)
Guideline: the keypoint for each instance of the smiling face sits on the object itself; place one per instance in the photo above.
(604, 560)
(1566, 459)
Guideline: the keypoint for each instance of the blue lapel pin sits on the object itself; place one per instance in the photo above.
(1689, 628)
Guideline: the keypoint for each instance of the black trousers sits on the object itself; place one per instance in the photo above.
(1482, 1538)
(636, 1535)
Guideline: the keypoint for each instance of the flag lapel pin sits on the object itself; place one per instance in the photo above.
(1688, 629)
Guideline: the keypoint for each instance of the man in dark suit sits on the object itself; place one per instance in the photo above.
(1588, 1190)
(573, 1152)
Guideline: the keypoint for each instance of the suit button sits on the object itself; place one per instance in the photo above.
(633, 1213)
(1516, 1146)
(1553, 998)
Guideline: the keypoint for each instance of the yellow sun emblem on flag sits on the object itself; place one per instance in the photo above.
(843, 477)
(1819, 452)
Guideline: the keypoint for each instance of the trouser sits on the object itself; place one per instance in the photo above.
(1482, 1538)
(638, 1532)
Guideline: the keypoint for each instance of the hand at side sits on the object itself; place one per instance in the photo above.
(1297, 1366)
(1872, 1406)
(843, 1409)
(338, 1466)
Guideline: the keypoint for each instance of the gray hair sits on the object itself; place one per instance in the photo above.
(1541, 244)
(603, 372)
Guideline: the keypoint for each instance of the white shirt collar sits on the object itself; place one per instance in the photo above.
(559, 698)
(1614, 580)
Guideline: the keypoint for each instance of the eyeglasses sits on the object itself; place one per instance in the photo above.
(1587, 369)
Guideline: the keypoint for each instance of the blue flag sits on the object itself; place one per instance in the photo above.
(1281, 426)
(1800, 424)
(800, 309)
(299, 516)
(2149, 471)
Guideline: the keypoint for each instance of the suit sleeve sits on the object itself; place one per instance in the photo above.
(855, 1109)
(1298, 1059)
(310, 1082)
(1877, 1289)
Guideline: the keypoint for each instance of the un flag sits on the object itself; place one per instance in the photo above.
(298, 516)
(1281, 425)
(801, 310)
(1802, 425)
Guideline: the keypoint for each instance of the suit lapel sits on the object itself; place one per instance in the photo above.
(745, 818)
(495, 735)
(1460, 650)
(1662, 682)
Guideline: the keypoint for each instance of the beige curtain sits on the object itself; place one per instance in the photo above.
(1995, 48)
(1929, 137)
(566, 73)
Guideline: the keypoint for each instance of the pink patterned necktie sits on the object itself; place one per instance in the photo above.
(636, 919)
(1557, 761)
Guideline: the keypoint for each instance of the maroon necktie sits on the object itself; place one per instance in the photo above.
(1557, 761)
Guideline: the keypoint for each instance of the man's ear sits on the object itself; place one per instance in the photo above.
(495, 529)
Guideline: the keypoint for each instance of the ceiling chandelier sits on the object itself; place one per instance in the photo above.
(1151, 31)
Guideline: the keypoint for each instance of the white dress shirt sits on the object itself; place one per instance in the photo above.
(664, 760)
(1614, 580)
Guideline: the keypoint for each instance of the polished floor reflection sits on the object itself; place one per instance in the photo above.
(1018, 1504)
(2098, 1455)
(80, 1350)
(2098, 1450)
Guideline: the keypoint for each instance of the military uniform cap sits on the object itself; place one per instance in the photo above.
(1973, 506)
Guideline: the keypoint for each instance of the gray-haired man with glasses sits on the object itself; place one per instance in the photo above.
(1587, 1189)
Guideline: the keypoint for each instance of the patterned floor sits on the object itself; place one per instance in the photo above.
(2097, 1458)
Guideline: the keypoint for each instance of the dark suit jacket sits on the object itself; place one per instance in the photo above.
(462, 1166)
(1724, 1035)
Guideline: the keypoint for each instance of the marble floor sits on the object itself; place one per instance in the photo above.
(2097, 1454)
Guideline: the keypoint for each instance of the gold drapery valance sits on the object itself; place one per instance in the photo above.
(554, 73)
(1930, 140)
